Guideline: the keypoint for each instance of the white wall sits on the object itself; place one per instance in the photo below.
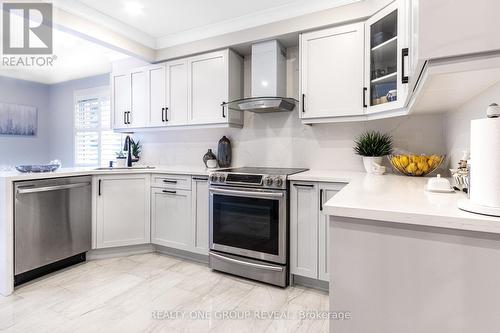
(62, 108)
(280, 139)
(458, 122)
(26, 149)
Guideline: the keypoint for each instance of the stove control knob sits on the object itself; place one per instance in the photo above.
(278, 182)
(213, 178)
(268, 181)
(222, 178)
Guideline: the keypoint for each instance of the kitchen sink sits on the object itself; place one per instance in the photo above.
(126, 168)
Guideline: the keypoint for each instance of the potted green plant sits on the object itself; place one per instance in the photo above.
(136, 150)
(373, 146)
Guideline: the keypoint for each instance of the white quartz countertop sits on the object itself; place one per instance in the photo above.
(69, 172)
(333, 176)
(402, 199)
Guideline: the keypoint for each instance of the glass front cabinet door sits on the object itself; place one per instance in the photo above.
(386, 59)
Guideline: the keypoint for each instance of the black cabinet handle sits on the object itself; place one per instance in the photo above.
(169, 192)
(404, 54)
(303, 103)
(125, 117)
(364, 97)
(223, 111)
(170, 181)
(99, 187)
(166, 114)
(128, 117)
(163, 115)
(200, 179)
(321, 200)
(303, 185)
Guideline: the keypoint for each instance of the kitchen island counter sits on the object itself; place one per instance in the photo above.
(405, 260)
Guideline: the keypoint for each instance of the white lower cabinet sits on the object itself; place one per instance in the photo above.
(326, 192)
(179, 212)
(309, 228)
(199, 214)
(122, 210)
(171, 218)
(304, 229)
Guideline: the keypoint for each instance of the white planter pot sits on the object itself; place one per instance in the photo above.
(370, 163)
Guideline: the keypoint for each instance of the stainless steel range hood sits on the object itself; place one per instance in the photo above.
(268, 81)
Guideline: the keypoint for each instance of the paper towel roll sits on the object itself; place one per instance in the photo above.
(485, 162)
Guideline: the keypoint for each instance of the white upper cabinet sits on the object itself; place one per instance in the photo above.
(208, 87)
(121, 99)
(214, 78)
(176, 112)
(386, 59)
(156, 94)
(182, 92)
(138, 116)
(130, 99)
(331, 73)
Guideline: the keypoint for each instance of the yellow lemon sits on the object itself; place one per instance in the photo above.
(403, 160)
(411, 168)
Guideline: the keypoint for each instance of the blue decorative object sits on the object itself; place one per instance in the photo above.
(16, 119)
(38, 168)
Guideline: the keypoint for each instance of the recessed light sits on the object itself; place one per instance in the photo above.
(133, 7)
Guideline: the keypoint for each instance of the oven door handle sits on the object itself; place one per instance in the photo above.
(248, 193)
(249, 264)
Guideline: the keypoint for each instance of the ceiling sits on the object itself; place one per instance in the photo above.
(163, 23)
(76, 58)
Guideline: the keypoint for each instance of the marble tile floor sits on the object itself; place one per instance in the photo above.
(157, 293)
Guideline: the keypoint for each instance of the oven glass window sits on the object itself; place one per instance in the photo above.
(246, 223)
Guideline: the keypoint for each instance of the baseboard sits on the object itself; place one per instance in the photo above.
(310, 283)
(200, 258)
(122, 251)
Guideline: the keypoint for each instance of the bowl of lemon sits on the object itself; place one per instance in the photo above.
(416, 165)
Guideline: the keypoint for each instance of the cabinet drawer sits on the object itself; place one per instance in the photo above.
(172, 181)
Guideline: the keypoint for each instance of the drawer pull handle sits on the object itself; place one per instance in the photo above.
(169, 192)
(200, 179)
(170, 181)
(303, 185)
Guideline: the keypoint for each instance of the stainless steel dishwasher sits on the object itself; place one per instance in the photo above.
(52, 225)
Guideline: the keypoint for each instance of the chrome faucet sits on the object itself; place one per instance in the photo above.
(128, 148)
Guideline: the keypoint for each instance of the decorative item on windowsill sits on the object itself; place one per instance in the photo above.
(210, 159)
(121, 159)
(373, 146)
(461, 174)
(224, 152)
(416, 165)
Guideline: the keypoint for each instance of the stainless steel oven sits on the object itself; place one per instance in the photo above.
(249, 223)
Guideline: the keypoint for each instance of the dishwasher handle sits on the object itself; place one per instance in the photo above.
(26, 190)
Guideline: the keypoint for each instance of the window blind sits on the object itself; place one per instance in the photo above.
(95, 142)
